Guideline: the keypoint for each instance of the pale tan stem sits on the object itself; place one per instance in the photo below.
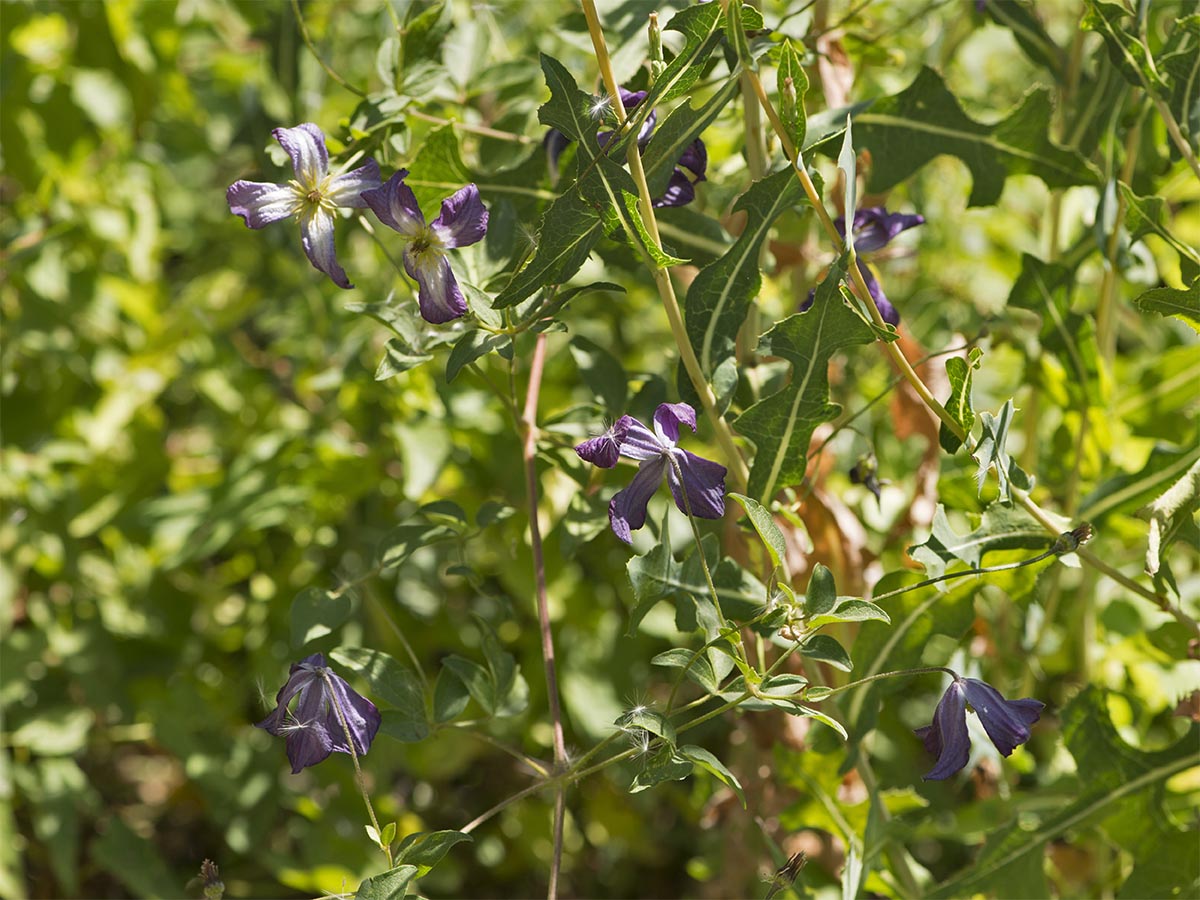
(739, 472)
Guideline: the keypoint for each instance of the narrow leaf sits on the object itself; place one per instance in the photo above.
(764, 523)
(706, 760)
(960, 372)
(781, 426)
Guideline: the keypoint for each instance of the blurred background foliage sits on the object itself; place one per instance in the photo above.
(193, 436)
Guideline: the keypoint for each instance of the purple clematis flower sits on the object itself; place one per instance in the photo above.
(462, 221)
(696, 483)
(314, 729)
(311, 196)
(874, 228)
(1005, 721)
(680, 188)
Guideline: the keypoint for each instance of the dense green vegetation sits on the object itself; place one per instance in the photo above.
(216, 463)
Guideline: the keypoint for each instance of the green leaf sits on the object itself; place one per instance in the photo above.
(809, 713)
(1125, 48)
(426, 849)
(569, 109)
(601, 373)
(781, 426)
(991, 451)
(1171, 515)
(399, 356)
(570, 229)
(1029, 34)
(316, 613)
(438, 169)
(908, 130)
(476, 679)
(1179, 62)
(648, 720)
(653, 576)
(450, 696)
(849, 609)
(764, 524)
(960, 372)
(823, 648)
(1046, 288)
(1001, 528)
(700, 26)
(389, 834)
(393, 683)
(391, 885)
(822, 592)
(1121, 789)
(1149, 215)
(706, 760)
(719, 297)
(404, 540)
(791, 109)
(666, 765)
(473, 345)
(735, 34)
(1167, 301)
(1127, 492)
(848, 166)
(695, 665)
(510, 690)
(646, 242)
(677, 131)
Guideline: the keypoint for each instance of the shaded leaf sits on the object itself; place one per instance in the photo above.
(393, 683)
(959, 371)
(316, 613)
(719, 297)
(992, 452)
(781, 426)
(399, 356)
(908, 130)
(764, 524)
(391, 885)
(426, 849)
(706, 760)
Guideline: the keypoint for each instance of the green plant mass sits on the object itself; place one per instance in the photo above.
(728, 449)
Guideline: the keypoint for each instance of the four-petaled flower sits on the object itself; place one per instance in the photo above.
(462, 221)
(311, 196)
(315, 728)
(697, 484)
(680, 188)
(874, 228)
(1005, 721)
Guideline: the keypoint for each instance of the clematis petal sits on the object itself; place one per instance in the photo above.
(307, 745)
(362, 718)
(704, 481)
(947, 738)
(463, 219)
(299, 676)
(555, 144)
(695, 159)
(667, 419)
(347, 189)
(261, 204)
(627, 509)
(1005, 721)
(396, 206)
(603, 451)
(305, 144)
(889, 312)
(438, 293)
(631, 100)
(679, 192)
(639, 442)
(875, 227)
(316, 234)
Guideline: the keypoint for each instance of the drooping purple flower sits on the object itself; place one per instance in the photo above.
(311, 196)
(680, 188)
(874, 228)
(696, 483)
(1006, 722)
(314, 729)
(462, 221)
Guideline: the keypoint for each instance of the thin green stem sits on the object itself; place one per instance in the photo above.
(923, 670)
(358, 773)
(739, 472)
(308, 42)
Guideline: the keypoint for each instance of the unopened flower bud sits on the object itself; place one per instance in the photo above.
(1070, 541)
(788, 101)
(657, 65)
